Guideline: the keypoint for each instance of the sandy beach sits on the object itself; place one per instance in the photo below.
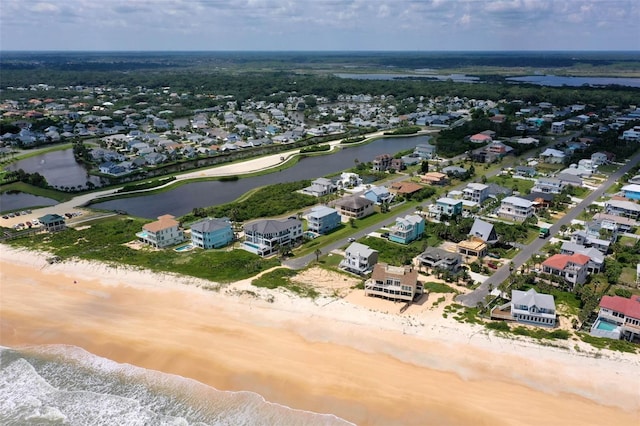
(346, 357)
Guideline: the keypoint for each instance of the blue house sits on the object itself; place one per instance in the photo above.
(211, 233)
(407, 229)
(322, 219)
(631, 192)
(378, 194)
(448, 206)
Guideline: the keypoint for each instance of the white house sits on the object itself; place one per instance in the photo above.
(359, 258)
(515, 208)
(528, 307)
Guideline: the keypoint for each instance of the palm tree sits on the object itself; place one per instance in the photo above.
(317, 253)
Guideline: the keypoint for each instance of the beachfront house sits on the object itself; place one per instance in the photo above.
(52, 222)
(528, 307)
(596, 258)
(437, 258)
(322, 219)
(359, 259)
(265, 237)
(164, 232)
(398, 283)
(355, 207)
(515, 208)
(407, 229)
(211, 233)
(571, 267)
(618, 318)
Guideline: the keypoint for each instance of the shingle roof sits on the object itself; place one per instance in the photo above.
(271, 226)
(560, 261)
(354, 202)
(164, 222)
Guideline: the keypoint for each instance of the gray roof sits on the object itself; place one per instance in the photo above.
(517, 201)
(271, 226)
(532, 297)
(321, 211)
(595, 255)
(359, 249)
(210, 225)
(354, 202)
(483, 230)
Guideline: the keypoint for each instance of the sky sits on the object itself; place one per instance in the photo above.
(319, 25)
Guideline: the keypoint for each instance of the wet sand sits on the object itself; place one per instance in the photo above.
(340, 359)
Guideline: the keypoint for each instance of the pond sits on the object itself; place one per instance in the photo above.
(58, 167)
(11, 201)
(558, 81)
(184, 199)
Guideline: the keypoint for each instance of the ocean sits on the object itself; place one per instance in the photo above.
(65, 385)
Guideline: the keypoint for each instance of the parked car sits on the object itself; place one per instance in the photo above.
(492, 265)
(495, 256)
(5, 217)
(350, 239)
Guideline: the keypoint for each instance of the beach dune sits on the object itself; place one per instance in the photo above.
(366, 367)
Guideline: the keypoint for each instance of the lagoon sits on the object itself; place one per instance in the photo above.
(185, 198)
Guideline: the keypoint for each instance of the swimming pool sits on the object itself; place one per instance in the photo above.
(606, 326)
(186, 247)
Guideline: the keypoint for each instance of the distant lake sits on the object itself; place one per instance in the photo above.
(458, 78)
(558, 81)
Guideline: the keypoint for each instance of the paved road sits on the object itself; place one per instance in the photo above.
(472, 299)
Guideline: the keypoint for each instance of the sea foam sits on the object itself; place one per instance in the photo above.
(65, 385)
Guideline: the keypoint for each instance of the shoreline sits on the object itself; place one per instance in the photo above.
(326, 356)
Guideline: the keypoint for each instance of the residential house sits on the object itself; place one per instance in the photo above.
(397, 164)
(454, 171)
(322, 219)
(348, 180)
(496, 190)
(52, 222)
(437, 258)
(434, 178)
(527, 141)
(480, 138)
(540, 200)
(354, 207)
(320, 187)
(378, 194)
(632, 191)
(623, 208)
(571, 179)
(407, 229)
(164, 232)
(447, 206)
(571, 267)
(483, 231)
(211, 233)
(557, 127)
(552, 156)
(405, 188)
(596, 258)
(528, 307)
(618, 318)
(359, 259)
(425, 151)
(588, 239)
(472, 247)
(622, 224)
(398, 283)
(548, 185)
(476, 192)
(382, 162)
(265, 237)
(515, 208)
(525, 171)
(599, 158)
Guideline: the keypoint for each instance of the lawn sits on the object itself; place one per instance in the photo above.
(41, 192)
(394, 253)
